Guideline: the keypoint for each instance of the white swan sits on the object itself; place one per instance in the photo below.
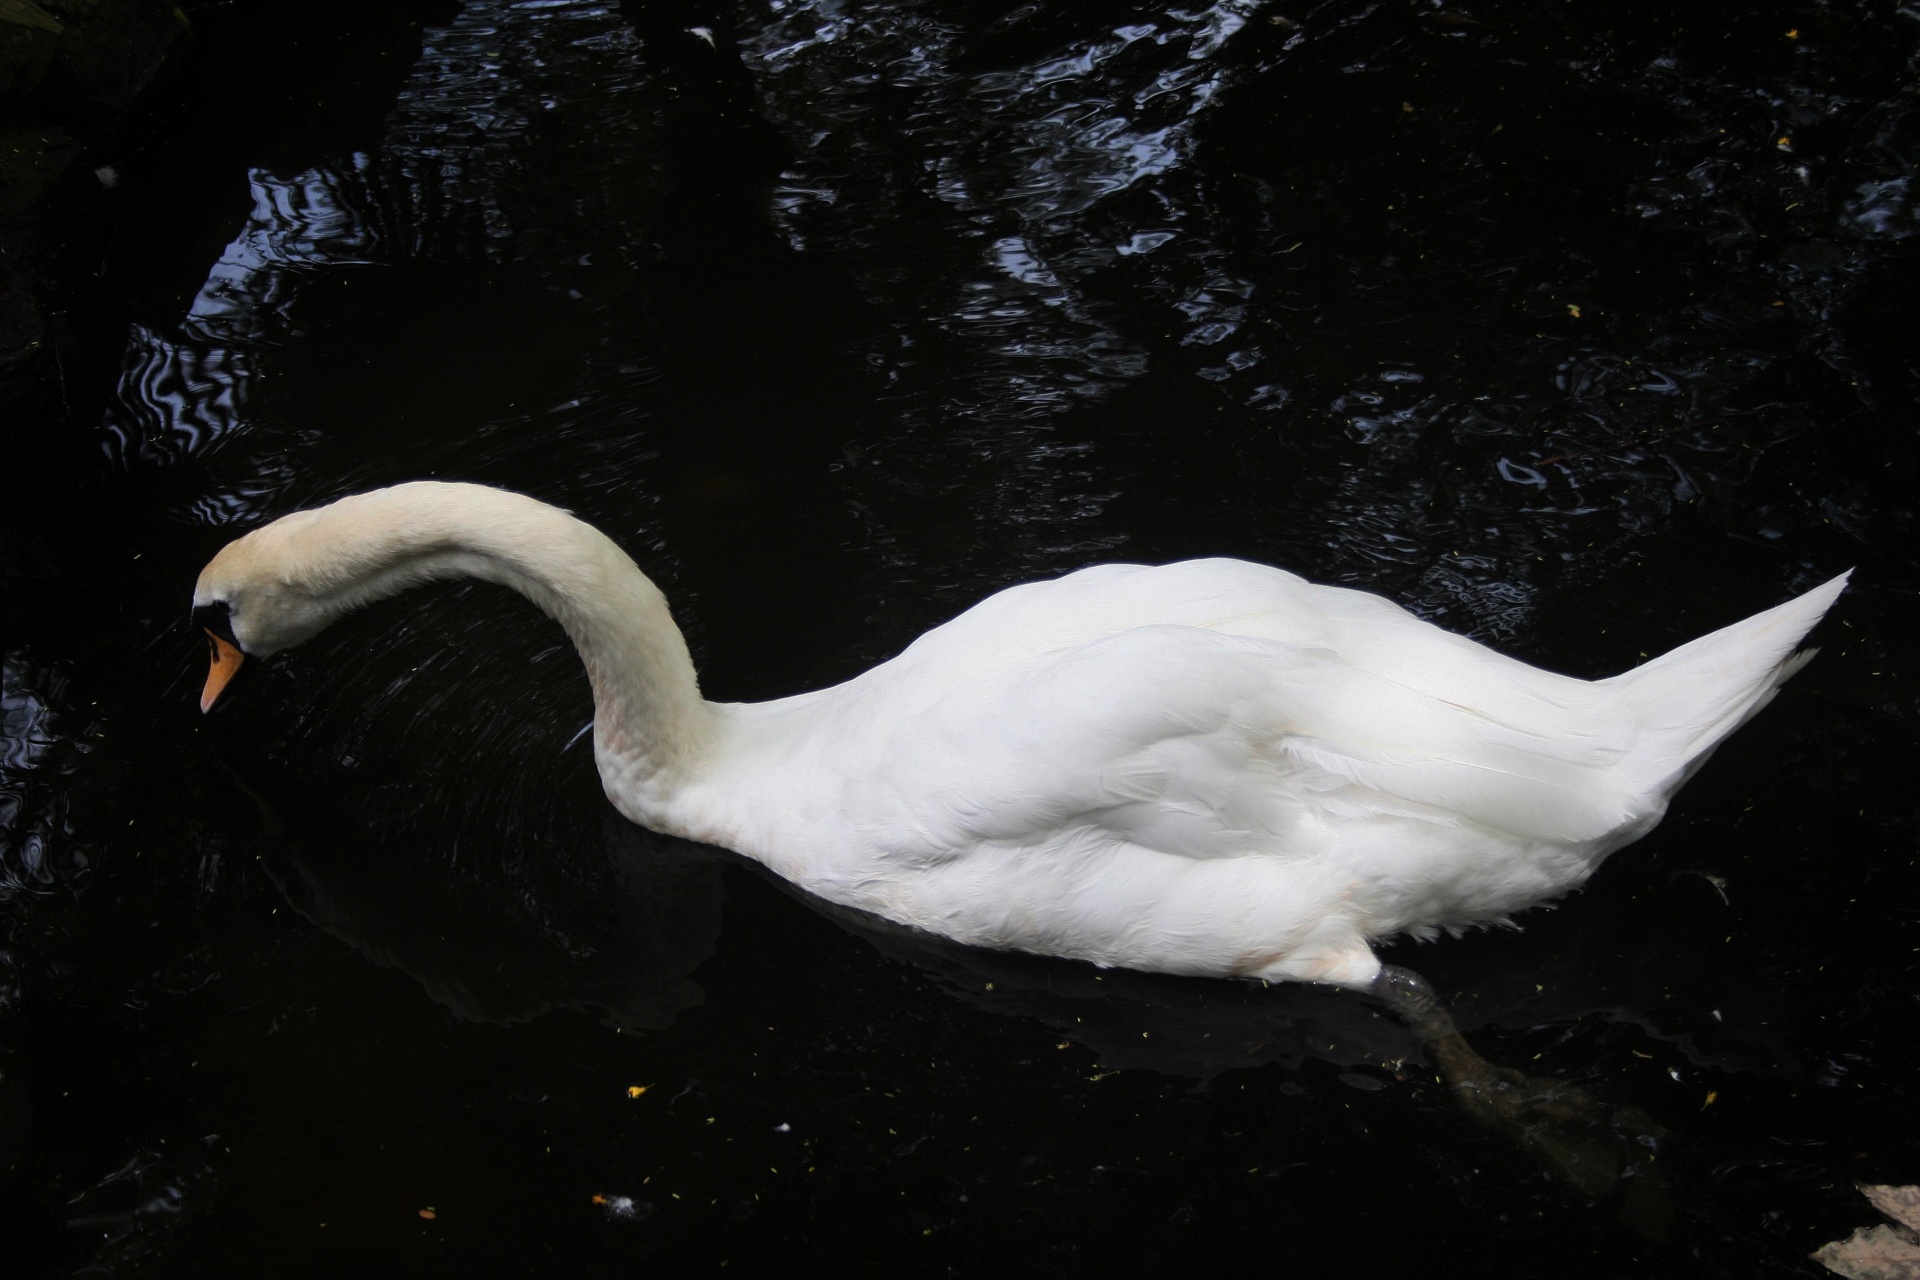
(1210, 768)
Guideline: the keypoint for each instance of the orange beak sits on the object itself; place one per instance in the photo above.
(226, 661)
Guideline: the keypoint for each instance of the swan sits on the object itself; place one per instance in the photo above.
(1210, 768)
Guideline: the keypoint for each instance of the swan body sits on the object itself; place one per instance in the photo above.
(1212, 767)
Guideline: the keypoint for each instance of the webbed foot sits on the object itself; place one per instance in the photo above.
(1596, 1150)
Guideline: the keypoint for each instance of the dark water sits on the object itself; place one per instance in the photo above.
(1580, 329)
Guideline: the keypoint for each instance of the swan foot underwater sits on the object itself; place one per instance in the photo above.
(1211, 768)
(1598, 1151)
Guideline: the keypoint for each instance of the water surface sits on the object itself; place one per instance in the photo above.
(1577, 329)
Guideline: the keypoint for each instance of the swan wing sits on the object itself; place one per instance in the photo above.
(1206, 745)
(1008, 634)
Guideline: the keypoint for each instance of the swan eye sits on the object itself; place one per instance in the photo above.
(216, 618)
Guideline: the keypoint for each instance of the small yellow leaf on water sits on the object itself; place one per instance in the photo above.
(1573, 311)
(1793, 34)
(1713, 1096)
(599, 1199)
(428, 1214)
(1784, 142)
(635, 1090)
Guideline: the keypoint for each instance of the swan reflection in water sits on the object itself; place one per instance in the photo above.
(660, 919)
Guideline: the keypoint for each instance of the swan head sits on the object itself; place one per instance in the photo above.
(266, 592)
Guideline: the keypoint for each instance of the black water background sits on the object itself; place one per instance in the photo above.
(1580, 329)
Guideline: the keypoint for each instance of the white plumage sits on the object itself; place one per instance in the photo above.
(1211, 767)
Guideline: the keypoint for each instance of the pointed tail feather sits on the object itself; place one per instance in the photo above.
(1687, 701)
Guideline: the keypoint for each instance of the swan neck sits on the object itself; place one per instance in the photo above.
(650, 724)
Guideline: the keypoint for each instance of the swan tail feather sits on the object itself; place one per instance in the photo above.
(1688, 700)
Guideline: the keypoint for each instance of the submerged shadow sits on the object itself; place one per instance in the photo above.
(1601, 1153)
(628, 959)
(626, 951)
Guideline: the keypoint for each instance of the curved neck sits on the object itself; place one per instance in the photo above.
(650, 724)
